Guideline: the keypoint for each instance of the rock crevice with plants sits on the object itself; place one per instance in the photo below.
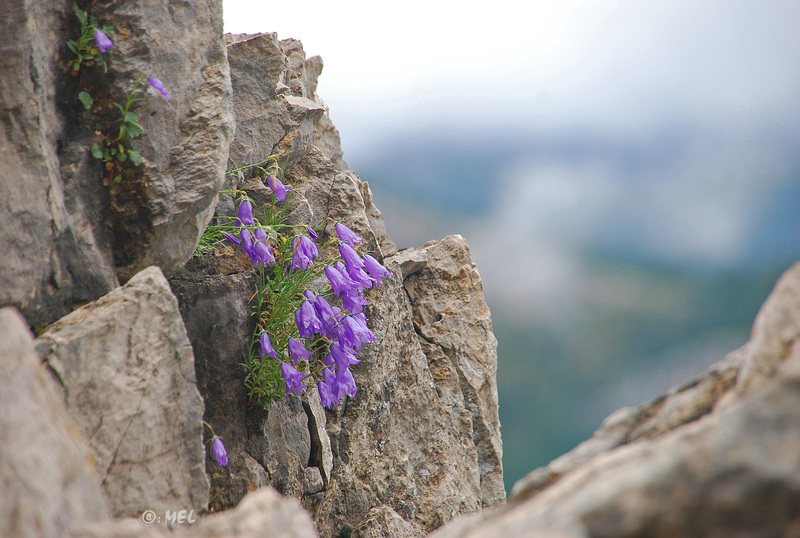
(267, 335)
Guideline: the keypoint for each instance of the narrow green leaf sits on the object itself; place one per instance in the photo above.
(85, 99)
(81, 16)
(73, 46)
(119, 106)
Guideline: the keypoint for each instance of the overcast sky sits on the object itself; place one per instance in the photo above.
(704, 95)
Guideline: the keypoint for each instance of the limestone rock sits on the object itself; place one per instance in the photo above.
(262, 513)
(713, 457)
(450, 314)
(57, 254)
(48, 478)
(159, 213)
(274, 115)
(127, 368)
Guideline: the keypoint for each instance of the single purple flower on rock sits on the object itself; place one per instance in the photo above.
(246, 213)
(277, 187)
(157, 84)
(103, 42)
(374, 268)
(266, 346)
(218, 449)
(293, 378)
(298, 350)
(362, 279)
(350, 257)
(347, 235)
(312, 233)
(232, 238)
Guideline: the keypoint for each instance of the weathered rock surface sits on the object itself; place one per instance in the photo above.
(262, 513)
(127, 369)
(66, 236)
(159, 214)
(56, 253)
(49, 478)
(716, 457)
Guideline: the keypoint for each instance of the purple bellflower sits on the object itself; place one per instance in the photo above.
(347, 235)
(344, 384)
(157, 84)
(298, 350)
(232, 238)
(304, 252)
(307, 321)
(218, 449)
(277, 187)
(266, 346)
(312, 233)
(374, 268)
(293, 378)
(325, 393)
(353, 302)
(263, 253)
(246, 213)
(104, 44)
(339, 282)
(350, 257)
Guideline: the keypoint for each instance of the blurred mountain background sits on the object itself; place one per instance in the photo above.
(627, 176)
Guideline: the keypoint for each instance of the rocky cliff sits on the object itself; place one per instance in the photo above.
(139, 338)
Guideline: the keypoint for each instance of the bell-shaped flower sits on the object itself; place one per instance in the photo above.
(350, 257)
(277, 187)
(298, 350)
(342, 355)
(218, 449)
(347, 235)
(157, 84)
(326, 395)
(307, 321)
(304, 252)
(339, 282)
(263, 253)
(374, 268)
(266, 346)
(232, 238)
(293, 378)
(246, 213)
(345, 384)
(362, 279)
(312, 234)
(104, 44)
(353, 302)
(260, 234)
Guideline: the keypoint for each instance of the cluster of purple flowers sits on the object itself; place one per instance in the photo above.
(345, 328)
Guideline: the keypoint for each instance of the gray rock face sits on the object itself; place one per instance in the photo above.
(160, 212)
(262, 513)
(128, 372)
(274, 113)
(57, 254)
(716, 457)
(65, 233)
(48, 479)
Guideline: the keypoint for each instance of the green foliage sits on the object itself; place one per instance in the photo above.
(84, 47)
